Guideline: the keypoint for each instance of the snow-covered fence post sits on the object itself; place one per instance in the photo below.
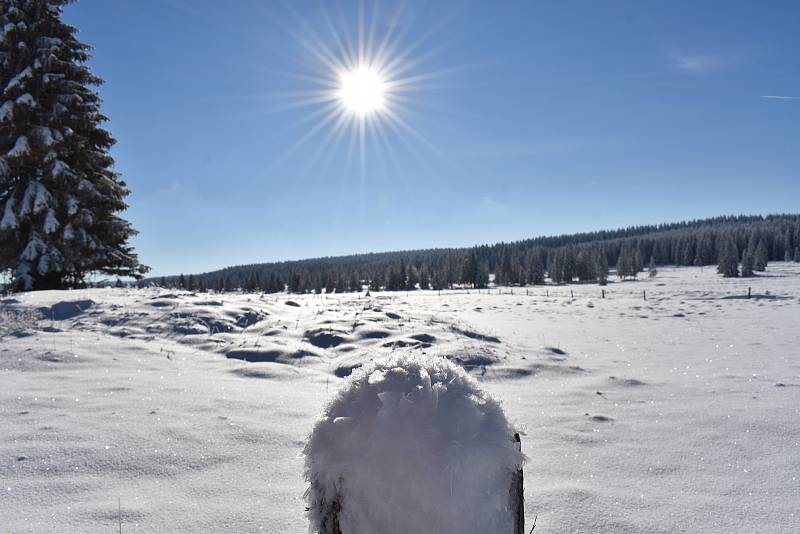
(413, 444)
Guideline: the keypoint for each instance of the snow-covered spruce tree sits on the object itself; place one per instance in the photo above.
(762, 256)
(652, 272)
(601, 266)
(748, 261)
(59, 194)
(728, 258)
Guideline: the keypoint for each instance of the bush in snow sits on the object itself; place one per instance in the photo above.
(410, 445)
(59, 196)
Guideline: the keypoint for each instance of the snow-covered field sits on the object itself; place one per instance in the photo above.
(680, 413)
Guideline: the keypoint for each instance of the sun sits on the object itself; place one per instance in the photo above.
(365, 81)
(362, 90)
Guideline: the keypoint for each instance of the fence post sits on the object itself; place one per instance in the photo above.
(518, 494)
(602, 293)
(748, 292)
(571, 294)
(644, 294)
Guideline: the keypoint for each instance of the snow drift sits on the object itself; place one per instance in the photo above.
(410, 445)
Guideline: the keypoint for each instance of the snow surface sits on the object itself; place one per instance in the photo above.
(678, 413)
(413, 433)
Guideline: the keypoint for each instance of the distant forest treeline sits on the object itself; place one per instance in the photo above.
(585, 257)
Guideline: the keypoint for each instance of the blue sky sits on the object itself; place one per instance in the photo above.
(527, 118)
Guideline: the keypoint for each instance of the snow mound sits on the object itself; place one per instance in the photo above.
(412, 444)
(64, 310)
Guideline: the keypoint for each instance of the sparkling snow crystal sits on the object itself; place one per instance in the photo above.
(412, 445)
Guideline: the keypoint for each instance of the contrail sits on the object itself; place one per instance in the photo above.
(781, 97)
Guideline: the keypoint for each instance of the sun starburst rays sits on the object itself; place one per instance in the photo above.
(359, 88)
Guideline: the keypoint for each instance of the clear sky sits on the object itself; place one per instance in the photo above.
(508, 120)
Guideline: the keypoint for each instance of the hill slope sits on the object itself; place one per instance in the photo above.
(566, 257)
